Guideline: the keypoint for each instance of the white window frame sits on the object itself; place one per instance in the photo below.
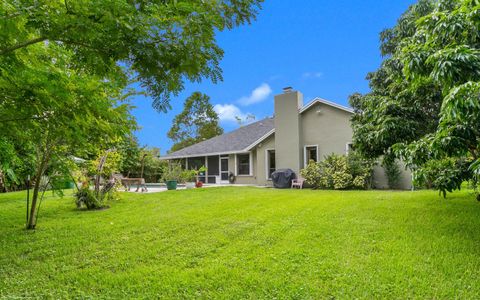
(250, 167)
(305, 162)
(267, 162)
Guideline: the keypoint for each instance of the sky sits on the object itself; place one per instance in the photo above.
(320, 48)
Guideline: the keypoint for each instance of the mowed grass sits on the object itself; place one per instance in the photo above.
(236, 242)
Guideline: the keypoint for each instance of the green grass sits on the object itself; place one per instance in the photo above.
(245, 243)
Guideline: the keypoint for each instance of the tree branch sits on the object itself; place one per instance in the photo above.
(22, 45)
(23, 119)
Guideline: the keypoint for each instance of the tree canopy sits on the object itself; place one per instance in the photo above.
(158, 43)
(424, 106)
(197, 122)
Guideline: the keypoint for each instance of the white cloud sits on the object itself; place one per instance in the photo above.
(259, 94)
(230, 113)
(308, 75)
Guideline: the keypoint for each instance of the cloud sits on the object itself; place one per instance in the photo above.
(259, 94)
(308, 75)
(230, 113)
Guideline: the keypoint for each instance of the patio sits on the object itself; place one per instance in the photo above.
(160, 187)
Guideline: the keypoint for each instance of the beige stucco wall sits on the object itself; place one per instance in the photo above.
(242, 179)
(328, 127)
(288, 130)
(380, 180)
(267, 144)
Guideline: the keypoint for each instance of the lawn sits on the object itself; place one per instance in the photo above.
(254, 243)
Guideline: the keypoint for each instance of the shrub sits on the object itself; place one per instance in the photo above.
(361, 169)
(445, 175)
(86, 197)
(392, 170)
(188, 176)
(172, 172)
(311, 174)
(339, 172)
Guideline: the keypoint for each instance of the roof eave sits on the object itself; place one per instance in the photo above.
(203, 154)
(326, 102)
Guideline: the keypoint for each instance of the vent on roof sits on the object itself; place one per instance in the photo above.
(287, 89)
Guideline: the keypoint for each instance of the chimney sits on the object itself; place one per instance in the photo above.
(288, 130)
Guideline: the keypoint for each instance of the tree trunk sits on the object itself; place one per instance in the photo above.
(3, 185)
(32, 222)
(103, 159)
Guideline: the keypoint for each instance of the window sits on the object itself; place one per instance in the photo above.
(243, 164)
(349, 148)
(311, 153)
(270, 161)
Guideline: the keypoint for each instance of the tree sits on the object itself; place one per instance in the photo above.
(437, 74)
(130, 151)
(133, 155)
(61, 112)
(197, 122)
(159, 43)
(395, 111)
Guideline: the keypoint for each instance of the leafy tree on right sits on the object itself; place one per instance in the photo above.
(424, 104)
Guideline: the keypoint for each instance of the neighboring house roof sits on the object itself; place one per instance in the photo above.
(243, 139)
(326, 102)
(240, 140)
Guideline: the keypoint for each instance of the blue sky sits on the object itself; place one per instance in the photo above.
(321, 48)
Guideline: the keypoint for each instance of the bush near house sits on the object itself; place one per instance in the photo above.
(339, 172)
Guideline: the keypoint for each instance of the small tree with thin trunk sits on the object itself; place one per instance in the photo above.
(62, 112)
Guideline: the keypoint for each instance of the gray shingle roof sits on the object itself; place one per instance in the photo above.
(235, 141)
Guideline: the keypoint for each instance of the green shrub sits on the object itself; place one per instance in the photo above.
(445, 175)
(172, 172)
(85, 197)
(339, 172)
(311, 174)
(392, 170)
(188, 176)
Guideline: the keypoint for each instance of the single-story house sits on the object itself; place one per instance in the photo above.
(296, 134)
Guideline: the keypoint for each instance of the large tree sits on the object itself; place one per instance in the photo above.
(159, 43)
(197, 122)
(395, 111)
(424, 105)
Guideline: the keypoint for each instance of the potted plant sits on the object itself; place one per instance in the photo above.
(189, 177)
(198, 172)
(171, 176)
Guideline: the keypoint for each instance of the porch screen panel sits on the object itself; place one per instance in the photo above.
(195, 163)
(213, 166)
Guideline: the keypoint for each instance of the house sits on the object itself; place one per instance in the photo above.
(295, 135)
